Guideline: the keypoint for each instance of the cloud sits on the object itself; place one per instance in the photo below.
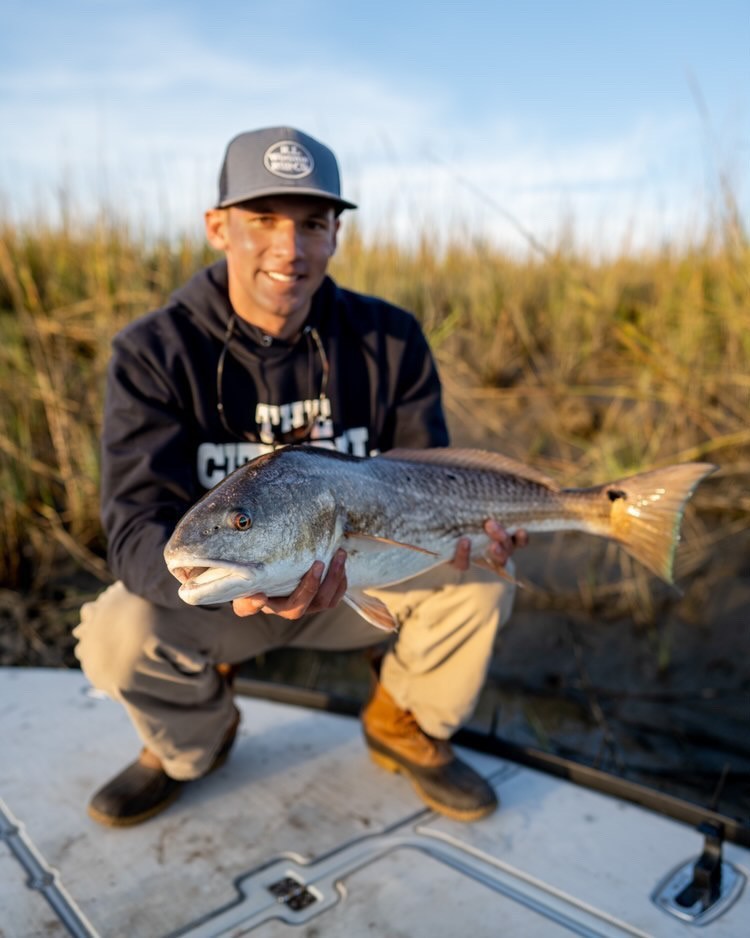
(624, 189)
(145, 131)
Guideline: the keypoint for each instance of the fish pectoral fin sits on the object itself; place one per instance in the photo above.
(359, 535)
(498, 571)
(371, 609)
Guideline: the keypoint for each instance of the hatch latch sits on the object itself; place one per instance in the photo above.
(700, 890)
(292, 893)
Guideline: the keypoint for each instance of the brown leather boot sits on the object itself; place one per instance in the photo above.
(143, 789)
(441, 779)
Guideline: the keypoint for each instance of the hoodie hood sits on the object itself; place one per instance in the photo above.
(206, 297)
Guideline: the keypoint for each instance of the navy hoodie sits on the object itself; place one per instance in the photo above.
(164, 443)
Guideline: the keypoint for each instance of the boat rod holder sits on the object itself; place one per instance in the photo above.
(702, 889)
(705, 886)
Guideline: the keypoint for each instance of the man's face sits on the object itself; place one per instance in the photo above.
(277, 251)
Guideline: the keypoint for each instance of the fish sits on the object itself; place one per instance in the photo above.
(399, 514)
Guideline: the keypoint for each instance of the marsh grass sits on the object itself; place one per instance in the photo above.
(63, 293)
(589, 370)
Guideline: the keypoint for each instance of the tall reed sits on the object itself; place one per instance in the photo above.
(592, 369)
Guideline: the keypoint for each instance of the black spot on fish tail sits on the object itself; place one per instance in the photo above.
(614, 494)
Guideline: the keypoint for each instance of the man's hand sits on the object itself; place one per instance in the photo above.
(313, 594)
(500, 550)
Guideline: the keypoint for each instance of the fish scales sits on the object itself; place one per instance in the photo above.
(441, 503)
(400, 514)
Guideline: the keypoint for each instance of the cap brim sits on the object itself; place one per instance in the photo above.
(286, 190)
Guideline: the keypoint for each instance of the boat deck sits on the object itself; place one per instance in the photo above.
(301, 828)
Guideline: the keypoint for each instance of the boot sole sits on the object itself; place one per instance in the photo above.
(390, 765)
(110, 820)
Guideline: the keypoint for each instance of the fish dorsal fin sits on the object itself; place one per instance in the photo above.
(473, 459)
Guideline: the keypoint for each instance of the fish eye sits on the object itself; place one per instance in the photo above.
(241, 521)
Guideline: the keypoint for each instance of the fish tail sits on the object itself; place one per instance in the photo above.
(646, 512)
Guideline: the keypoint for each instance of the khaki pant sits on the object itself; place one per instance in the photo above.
(159, 663)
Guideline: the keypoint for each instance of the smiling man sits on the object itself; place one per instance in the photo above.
(263, 349)
(277, 250)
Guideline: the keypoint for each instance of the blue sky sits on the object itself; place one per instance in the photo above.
(617, 119)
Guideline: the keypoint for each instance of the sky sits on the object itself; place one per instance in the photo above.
(616, 124)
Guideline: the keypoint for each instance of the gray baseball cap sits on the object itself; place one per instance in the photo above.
(278, 161)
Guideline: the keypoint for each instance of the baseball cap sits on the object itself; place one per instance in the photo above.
(278, 161)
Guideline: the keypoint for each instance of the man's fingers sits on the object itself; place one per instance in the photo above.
(288, 607)
(333, 586)
(498, 535)
(249, 605)
(295, 605)
(313, 593)
(503, 544)
(309, 584)
(462, 557)
(340, 592)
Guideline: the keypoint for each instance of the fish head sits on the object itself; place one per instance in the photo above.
(257, 531)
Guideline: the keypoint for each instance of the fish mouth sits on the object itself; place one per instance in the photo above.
(200, 575)
(205, 581)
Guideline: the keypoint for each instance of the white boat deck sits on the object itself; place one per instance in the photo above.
(300, 805)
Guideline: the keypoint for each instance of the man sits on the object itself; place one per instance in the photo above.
(259, 350)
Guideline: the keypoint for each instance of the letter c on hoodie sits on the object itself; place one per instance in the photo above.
(212, 465)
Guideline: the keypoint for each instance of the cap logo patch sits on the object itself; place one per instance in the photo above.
(288, 159)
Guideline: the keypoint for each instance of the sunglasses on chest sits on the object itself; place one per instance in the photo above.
(320, 405)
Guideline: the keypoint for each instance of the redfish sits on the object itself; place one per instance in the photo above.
(399, 514)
